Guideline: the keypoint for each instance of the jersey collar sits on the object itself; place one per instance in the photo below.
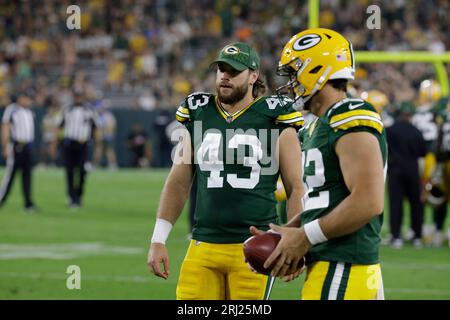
(231, 117)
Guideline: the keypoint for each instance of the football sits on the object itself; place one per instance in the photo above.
(258, 248)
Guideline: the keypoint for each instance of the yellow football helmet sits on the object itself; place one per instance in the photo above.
(429, 92)
(376, 98)
(313, 57)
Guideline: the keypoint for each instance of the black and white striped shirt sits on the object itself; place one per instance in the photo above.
(78, 123)
(21, 122)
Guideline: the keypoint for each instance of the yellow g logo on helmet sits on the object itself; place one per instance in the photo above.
(311, 58)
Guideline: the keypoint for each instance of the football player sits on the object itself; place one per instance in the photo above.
(233, 138)
(438, 185)
(429, 105)
(344, 165)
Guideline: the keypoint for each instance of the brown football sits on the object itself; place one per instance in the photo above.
(258, 248)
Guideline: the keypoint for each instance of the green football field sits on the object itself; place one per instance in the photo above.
(108, 240)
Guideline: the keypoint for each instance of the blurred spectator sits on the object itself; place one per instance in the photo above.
(139, 146)
(147, 101)
(106, 147)
(116, 74)
(49, 129)
(162, 146)
(168, 38)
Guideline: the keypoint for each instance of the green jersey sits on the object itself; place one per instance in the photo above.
(236, 174)
(325, 184)
(425, 119)
(442, 148)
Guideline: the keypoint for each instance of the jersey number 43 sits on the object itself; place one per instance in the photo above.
(208, 157)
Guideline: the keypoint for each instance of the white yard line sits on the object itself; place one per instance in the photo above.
(62, 251)
(101, 278)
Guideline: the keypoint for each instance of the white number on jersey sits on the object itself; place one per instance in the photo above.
(275, 101)
(424, 121)
(211, 146)
(446, 137)
(315, 181)
(195, 101)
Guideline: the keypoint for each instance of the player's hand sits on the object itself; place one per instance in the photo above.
(296, 274)
(290, 250)
(255, 231)
(156, 255)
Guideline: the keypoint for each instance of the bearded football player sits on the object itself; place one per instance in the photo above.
(344, 163)
(231, 143)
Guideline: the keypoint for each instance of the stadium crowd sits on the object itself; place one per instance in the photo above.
(148, 55)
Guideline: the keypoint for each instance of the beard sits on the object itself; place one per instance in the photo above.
(236, 94)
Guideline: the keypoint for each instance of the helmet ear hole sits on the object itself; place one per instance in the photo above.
(315, 70)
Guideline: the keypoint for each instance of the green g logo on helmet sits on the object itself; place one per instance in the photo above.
(306, 42)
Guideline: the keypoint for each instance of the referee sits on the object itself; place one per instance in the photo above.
(17, 140)
(79, 123)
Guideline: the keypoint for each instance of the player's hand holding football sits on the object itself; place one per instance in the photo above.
(296, 274)
(289, 252)
(156, 255)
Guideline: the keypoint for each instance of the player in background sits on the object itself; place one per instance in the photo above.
(437, 187)
(429, 117)
(344, 164)
(380, 102)
(406, 145)
(427, 108)
(231, 140)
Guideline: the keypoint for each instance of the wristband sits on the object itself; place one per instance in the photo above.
(314, 232)
(161, 231)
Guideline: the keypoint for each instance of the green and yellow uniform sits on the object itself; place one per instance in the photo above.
(236, 179)
(428, 120)
(340, 267)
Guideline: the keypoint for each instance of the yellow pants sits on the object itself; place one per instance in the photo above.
(343, 281)
(213, 271)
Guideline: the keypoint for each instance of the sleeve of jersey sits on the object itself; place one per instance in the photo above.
(182, 115)
(353, 119)
(287, 116)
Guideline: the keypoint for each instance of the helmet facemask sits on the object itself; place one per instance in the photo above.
(293, 87)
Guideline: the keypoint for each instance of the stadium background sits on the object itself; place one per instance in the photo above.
(139, 59)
